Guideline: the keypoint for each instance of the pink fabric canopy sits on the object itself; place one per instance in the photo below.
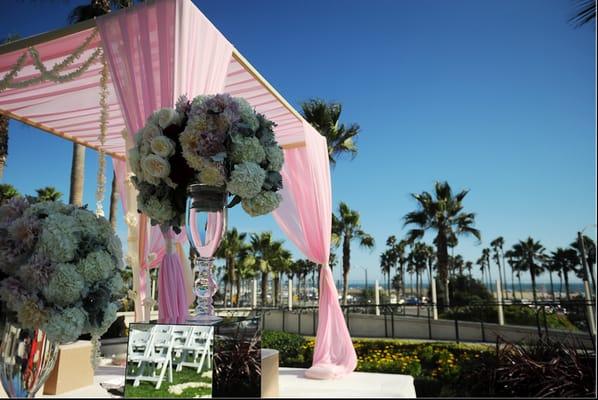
(156, 52)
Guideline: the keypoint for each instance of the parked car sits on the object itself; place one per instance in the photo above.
(412, 301)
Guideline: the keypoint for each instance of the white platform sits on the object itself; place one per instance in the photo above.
(292, 383)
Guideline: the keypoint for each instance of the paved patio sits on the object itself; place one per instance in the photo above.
(293, 384)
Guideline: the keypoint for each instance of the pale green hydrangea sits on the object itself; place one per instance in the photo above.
(64, 286)
(246, 180)
(263, 203)
(211, 175)
(247, 149)
(107, 320)
(247, 113)
(32, 315)
(58, 240)
(66, 326)
(275, 158)
(97, 266)
(157, 210)
(116, 285)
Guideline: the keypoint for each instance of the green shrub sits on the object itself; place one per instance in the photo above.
(441, 363)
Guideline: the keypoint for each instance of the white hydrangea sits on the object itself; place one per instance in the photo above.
(59, 238)
(64, 286)
(97, 266)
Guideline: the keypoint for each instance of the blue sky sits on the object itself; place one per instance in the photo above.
(494, 96)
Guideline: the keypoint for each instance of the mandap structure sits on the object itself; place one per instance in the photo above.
(96, 82)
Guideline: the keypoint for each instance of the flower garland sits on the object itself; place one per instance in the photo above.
(7, 82)
(102, 137)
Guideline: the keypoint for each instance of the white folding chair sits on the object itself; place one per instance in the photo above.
(197, 348)
(180, 334)
(158, 357)
(138, 345)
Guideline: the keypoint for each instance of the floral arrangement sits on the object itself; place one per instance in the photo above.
(59, 269)
(216, 140)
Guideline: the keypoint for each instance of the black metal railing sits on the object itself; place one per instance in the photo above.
(574, 312)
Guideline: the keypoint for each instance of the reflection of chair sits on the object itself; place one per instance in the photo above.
(197, 348)
(138, 344)
(158, 357)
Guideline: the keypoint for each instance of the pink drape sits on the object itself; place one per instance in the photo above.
(172, 296)
(158, 51)
(305, 216)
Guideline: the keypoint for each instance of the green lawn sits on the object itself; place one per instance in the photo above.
(148, 389)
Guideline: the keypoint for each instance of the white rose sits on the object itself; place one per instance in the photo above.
(167, 117)
(151, 131)
(155, 166)
(134, 160)
(163, 146)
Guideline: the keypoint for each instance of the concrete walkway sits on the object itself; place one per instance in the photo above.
(293, 384)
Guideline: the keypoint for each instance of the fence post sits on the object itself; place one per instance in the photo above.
(392, 322)
(429, 324)
(254, 295)
(299, 321)
(313, 315)
(377, 298)
(290, 294)
(434, 308)
(501, 315)
(457, 331)
(283, 319)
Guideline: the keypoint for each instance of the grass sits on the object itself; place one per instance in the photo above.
(148, 389)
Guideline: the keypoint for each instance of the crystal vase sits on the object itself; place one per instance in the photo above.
(205, 224)
(26, 359)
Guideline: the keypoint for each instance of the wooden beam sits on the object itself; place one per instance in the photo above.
(60, 134)
(46, 36)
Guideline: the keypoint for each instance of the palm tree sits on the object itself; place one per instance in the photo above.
(420, 263)
(233, 243)
(530, 257)
(324, 117)
(565, 260)
(458, 264)
(586, 12)
(7, 192)
(497, 246)
(590, 249)
(482, 263)
(486, 256)
(468, 266)
(48, 193)
(511, 261)
(551, 267)
(265, 250)
(443, 214)
(281, 263)
(245, 264)
(346, 227)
